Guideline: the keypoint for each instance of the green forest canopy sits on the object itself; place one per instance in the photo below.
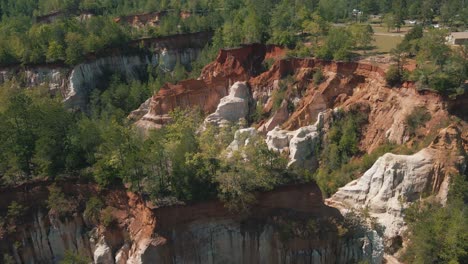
(67, 39)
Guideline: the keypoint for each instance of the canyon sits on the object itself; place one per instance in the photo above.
(74, 84)
(291, 224)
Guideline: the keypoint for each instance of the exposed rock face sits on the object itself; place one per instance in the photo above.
(207, 233)
(395, 181)
(301, 144)
(278, 118)
(241, 139)
(233, 107)
(206, 92)
(346, 85)
(74, 84)
(200, 233)
(45, 242)
(121, 257)
(102, 253)
(40, 238)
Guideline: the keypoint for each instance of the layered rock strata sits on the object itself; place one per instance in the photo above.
(287, 225)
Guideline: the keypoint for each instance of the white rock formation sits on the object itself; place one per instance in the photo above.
(300, 143)
(241, 139)
(75, 84)
(103, 253)
(122, 255)
(387, 188)
(373, 247)
(395, 181)
(232, 107)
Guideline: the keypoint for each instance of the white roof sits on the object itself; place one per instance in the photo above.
(459, 35)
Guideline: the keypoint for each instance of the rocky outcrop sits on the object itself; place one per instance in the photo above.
(75, 84)
(232, 107)
(395, 181)
(278, 118)
(346, 85)
(41, 237)
(45, 241)
(205, 93)
(275, 232)
(301, 144)
(288, 225)
(102, 253)
(152, 19)
(241, 139)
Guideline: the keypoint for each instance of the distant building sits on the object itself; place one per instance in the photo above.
(458, 38)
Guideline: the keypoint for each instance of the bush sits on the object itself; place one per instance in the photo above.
(268, 63)
(74, 258)
(318, 77)
(93, 209)
(277, 97)
(259, 113)
(58, 204)
(107, 218)
(439, 234)
(340, 145)
(393, 76)
(7, 259)
(416, 119)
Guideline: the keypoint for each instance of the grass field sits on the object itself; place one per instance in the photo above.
(384, 44)
(383, 29)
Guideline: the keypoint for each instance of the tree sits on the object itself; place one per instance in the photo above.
(410, 43)
(395, 75)
(231, 35)
(389, 21)
(93, 209)
(362, 35)
(439, 234)
(284, 24)
(253, 27)
(55, 52)
(398, 13)
(74, 51)
(433, 47)
(250, 169)
(316, 26)
(427, 9)
(57, 203)
(337, 46)
(18, 135)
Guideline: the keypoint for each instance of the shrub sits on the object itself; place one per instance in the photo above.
(340, 145)
(58, 204)
(268, 63)
(439, 234)
(107, 218)
(277, 97)
(259, 113)
(7, 259)
(416, 119)
(74, 258)
(393, 76)
(15, 210)
(93, 209)
(318, 77)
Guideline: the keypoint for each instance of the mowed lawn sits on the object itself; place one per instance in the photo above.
(385, 43)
